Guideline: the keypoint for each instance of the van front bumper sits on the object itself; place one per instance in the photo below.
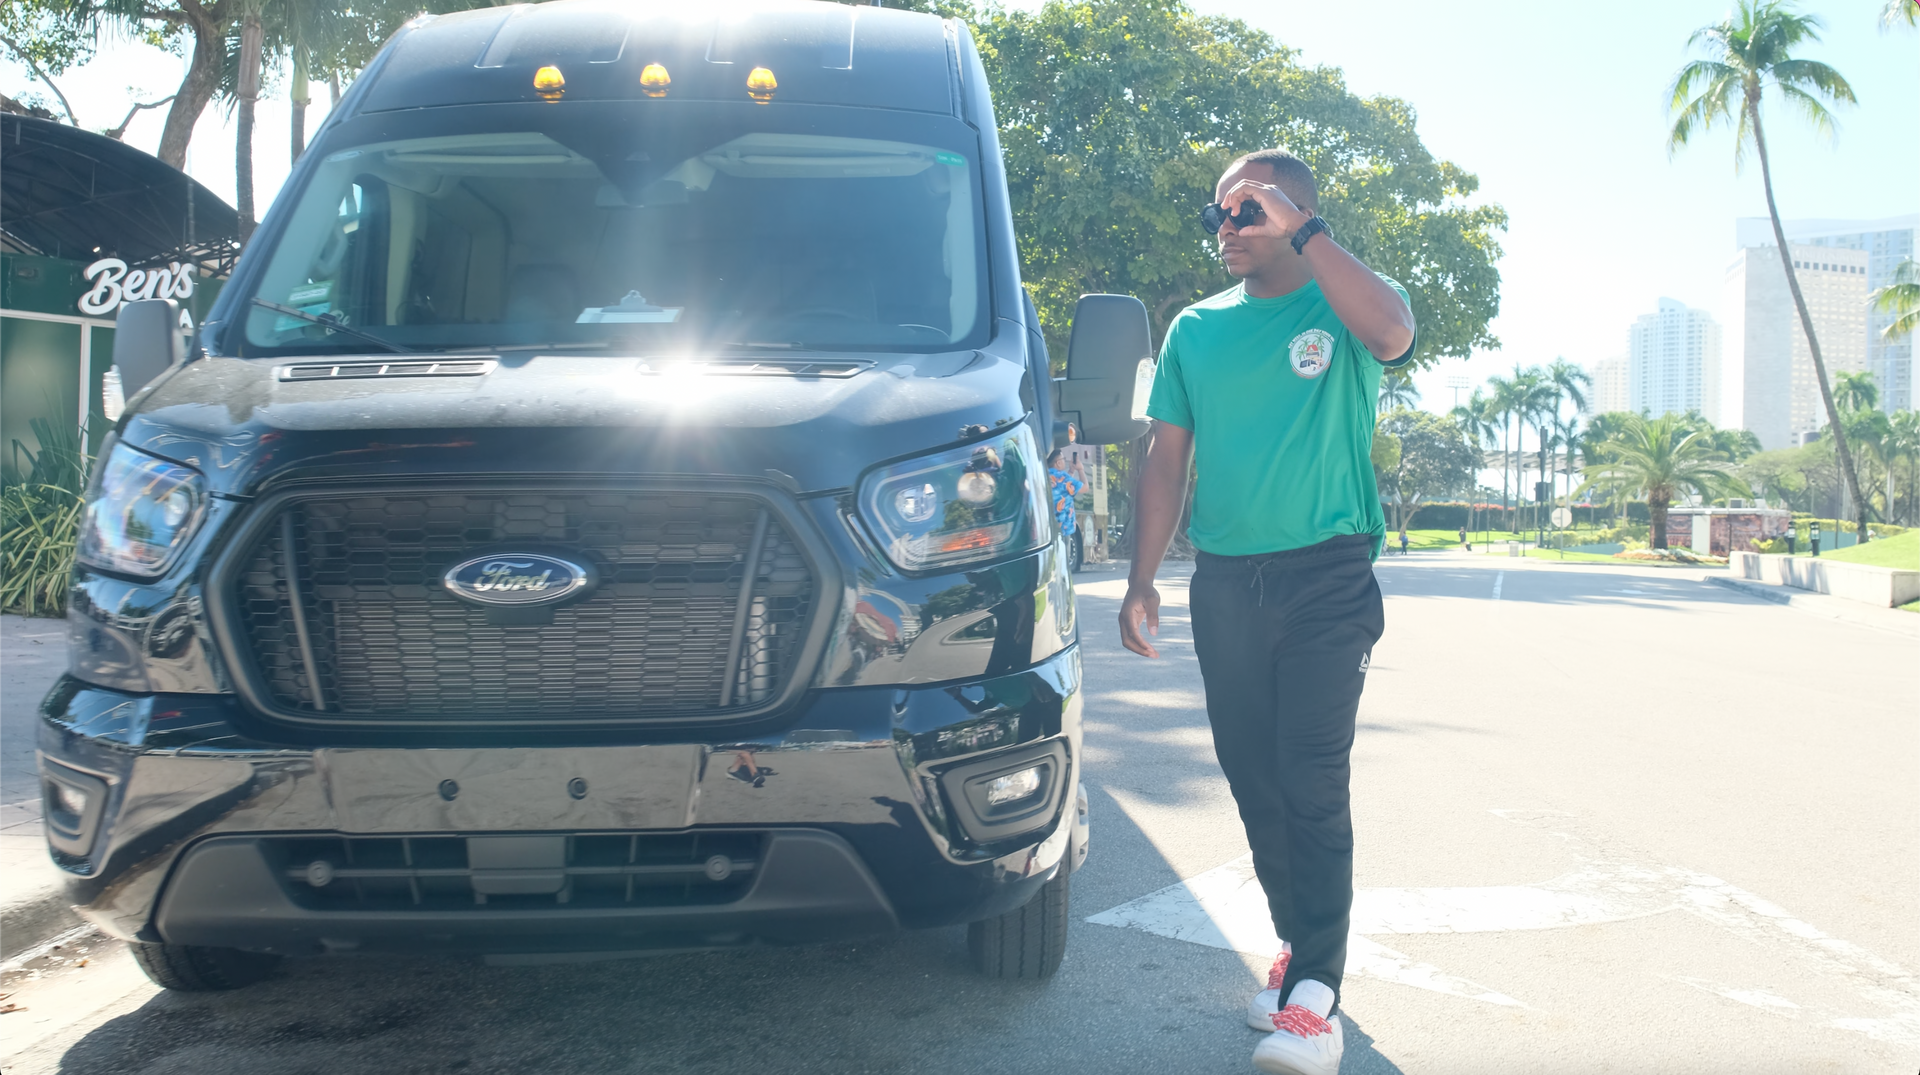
(855, 819)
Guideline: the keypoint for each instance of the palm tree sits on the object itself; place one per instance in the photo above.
(1899, 299)
(1479, 418)
(1508, 394)
(1751, 51)
(1540, 403)
(1903, 439)
(1662, 458)
(1397, 390)
(1895, 12)
(1569, 382)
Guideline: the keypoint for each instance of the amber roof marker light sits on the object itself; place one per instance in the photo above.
(654, 80)
(761, 84)
(549, 83)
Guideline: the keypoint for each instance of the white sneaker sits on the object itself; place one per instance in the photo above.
(1302, 1043)
(1266, 1003)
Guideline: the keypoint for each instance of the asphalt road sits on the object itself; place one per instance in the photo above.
(1608, 820)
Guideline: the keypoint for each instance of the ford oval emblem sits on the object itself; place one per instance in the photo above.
(518, 578)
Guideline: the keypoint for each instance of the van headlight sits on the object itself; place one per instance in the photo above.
(140, 510)
(985, 500)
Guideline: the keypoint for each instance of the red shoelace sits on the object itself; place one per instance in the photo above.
(1300, 1022)
(1277, 974)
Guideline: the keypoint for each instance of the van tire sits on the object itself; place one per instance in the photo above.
(188, 968)
(1028, 942)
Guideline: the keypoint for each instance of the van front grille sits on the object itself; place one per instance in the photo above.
(656, 638)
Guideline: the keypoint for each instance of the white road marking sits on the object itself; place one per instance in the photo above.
(1225, 908)
(1498, 578)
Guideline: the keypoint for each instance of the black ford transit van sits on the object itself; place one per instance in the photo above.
(605, 512)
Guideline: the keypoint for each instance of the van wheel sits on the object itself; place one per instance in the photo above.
(190, 968)
(1028, 942)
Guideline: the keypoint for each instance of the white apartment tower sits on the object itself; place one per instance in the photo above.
(1609, 391)
(1673, 362)
(1886, 243)
(1770, 385)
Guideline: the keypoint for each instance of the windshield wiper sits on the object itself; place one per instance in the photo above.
(772, 345)
(327, 321)
(594, 345)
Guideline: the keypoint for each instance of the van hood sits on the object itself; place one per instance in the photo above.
(241, 424)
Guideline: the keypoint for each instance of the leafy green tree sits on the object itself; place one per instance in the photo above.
(1435, 459)
(1750, 52)
(1662, 458)
(1118, 116)
(1900, 299)
(1778, 476)
(36, 35)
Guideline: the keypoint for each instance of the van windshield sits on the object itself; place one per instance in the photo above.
(537, 238)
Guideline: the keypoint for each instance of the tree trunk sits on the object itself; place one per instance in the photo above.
(1657, 515)
(1806, 321)
(300, 95)
(203, 76)
(248, 91)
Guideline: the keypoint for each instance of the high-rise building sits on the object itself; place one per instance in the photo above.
(1673, 362)
(1770, 383)
(1886, 243)
(1609, 390)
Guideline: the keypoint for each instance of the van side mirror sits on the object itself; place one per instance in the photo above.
(1109, 369)
(146, 342)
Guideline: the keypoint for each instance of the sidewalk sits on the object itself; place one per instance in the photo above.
(1823, 605)
(33, 653)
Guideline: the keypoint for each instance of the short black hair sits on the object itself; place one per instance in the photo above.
(1291, 174)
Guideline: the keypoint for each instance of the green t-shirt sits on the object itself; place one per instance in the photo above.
(1281, 399)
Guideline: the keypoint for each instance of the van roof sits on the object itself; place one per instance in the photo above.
(819, 53)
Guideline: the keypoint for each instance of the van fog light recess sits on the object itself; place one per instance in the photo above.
(69, 798)
(1013, 787)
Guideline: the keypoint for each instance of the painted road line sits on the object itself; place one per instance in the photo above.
(1499, 577)
(1226, 908)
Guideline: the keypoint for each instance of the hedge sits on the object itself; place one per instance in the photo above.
(1454, 514)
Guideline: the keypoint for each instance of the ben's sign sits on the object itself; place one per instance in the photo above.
(114, 283)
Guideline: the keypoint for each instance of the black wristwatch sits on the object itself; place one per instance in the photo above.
(1311, 228)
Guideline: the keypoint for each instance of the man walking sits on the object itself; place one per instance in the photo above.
(1270, 388)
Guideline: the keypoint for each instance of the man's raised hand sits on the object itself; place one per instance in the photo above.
(1282, 218)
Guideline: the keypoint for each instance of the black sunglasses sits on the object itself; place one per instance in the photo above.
(1215, 216)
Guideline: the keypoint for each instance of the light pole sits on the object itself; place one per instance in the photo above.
(1458, 384)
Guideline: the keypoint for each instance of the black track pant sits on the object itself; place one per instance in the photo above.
(1284, 640)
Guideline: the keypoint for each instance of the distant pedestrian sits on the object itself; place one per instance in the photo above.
(1403, 541)
(1272, 388)
(1468, 545)
(1063, 487)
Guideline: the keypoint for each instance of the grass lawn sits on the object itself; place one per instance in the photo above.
(1902, 551)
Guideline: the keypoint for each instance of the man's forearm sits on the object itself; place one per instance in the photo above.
(1159, 496)
(1371, 310)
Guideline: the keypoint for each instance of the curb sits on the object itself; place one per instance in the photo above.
(1765, 591)
(1826, 606)
(34, 921)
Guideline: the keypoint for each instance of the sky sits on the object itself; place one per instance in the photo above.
(1558, 108)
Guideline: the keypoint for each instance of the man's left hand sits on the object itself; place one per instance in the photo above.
(1282, 219)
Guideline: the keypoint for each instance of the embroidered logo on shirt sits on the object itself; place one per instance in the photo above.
(1311, 353)
(1364, 658)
